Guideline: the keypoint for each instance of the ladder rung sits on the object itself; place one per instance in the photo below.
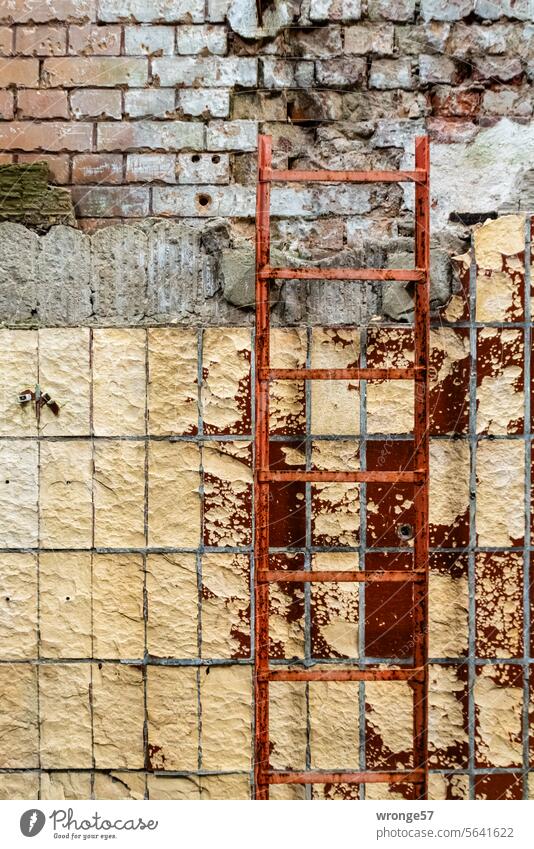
(415, 274)
(406, 674)
(339, 373)
(413, 776)
(300, 576)
(271, 476)
(417, 176)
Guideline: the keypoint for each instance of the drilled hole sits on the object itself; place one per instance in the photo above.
(204, 200)
(7, 481)
(404, 531)
(8, 598)
(216, 158)
(195, 157)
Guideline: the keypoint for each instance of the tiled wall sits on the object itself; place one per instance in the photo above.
(125, 562)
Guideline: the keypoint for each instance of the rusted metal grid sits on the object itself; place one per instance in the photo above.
(417, 675)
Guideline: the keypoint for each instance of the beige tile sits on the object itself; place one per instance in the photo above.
(173, 496)
(287, 723)
(226, 693)
(119, 494)
(19, 785)
(226, 386)
(172, 605)
(498, 708)
(287, 402)
(334, 725)
(225, 605)
(18, 606)
(335, 404)
(118, 709)
(18, 371)
(18, 494)
(500, 492)
(160, 787)
(65, 785)
(118, 625)
(119, 785)
(19, 741)
(119, 382)
(66, 510)
(65, 604)
(64, 373)
(65, 715)
(172, 710)
(225, 787)
(173, 383)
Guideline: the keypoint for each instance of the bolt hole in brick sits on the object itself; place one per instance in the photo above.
(405, 531)
(215, 158)
(203, 200)
(195, 157)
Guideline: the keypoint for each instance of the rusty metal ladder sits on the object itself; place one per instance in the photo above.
(417, 674)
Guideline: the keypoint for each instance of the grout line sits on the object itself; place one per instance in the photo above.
(145, 559)
(472, 525)
(527, 341)
(200, 428)
(362, 555)
(308, 789)
(38, 583)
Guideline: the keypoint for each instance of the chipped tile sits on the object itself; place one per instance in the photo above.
(18, 371)
(65, 715)
(225, 606)
(19, 743)
(227, 470)
(335, 404)
(500, 493)
(172, 384)
(18, 494)
(64, 373)
(118, 710)
(173, 494)
(225, 695)
(172, 713)
(226, 380)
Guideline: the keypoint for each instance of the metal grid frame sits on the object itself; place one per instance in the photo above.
(417, 673)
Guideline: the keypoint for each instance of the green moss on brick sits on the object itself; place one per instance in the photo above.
(27, 197)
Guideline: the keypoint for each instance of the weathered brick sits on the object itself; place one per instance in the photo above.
(41, 41)
(151, 167)
(363, 39)
(450, 130)
(36, 11)
(467, 40)
(492, 10)
(96, 103)
(219, 72)
(97, 168)
(103, 71)
(391, 10)
(502, 68)
(461, 102)
(42, 104)
(508, 101)
(283, 73)
(20, 72)
(6, 41)
(317, 43)
(446, 10)
(391, 73)
(232, 135)
(212, 101)
(342, 71)
(201, 39)
(155, 135)
(149, 11)
(149, 41)
(6, 105)
(58, 165)
(203, 168)
(335, 10)
(184, 201)
(92, 40)
(436, 69)
(50, 136)
(111, 202)
(261, 106)
(152, 102)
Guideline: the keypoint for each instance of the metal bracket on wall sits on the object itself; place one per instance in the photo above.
(417, 674)
(42, 399)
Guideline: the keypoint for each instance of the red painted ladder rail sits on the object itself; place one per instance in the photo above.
(417, 674)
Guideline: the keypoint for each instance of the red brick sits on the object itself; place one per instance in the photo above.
(39, 11)
(97, 168)
(103, 71)
(41, 41)
(58, 165)
(6, 158)
(6, 41)
(91, 225)
(51, 103)
(21, 72)
(92, 40)
(6, 105)
(463, 103)
(111, 202)
(96, 103)
(47, 136)
(151, 167)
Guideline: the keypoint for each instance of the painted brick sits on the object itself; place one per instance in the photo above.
(97, 168)
(18, 606)
(41, 41)
(150, 168)
(174, 479)
(104, 71)
(155, 135)
(335, 10)
(42, 104)
(363, 39)
(32, 135)
(21, 11)
(92, 40)
(148, 11)
(232, 135)
(6, 41)
(6, 105)
(149, 41)
(203, 168)
(172, 597)
(20, 72)
(96, 103)
(58, 165)
(194, 101)
(206, 71)
(150, 102)
(118, 626)
(119, 494)
(65, 604)
(391, 73)
(201, 39)
(111, 202)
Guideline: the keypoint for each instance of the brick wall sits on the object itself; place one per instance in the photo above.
(153, 107)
